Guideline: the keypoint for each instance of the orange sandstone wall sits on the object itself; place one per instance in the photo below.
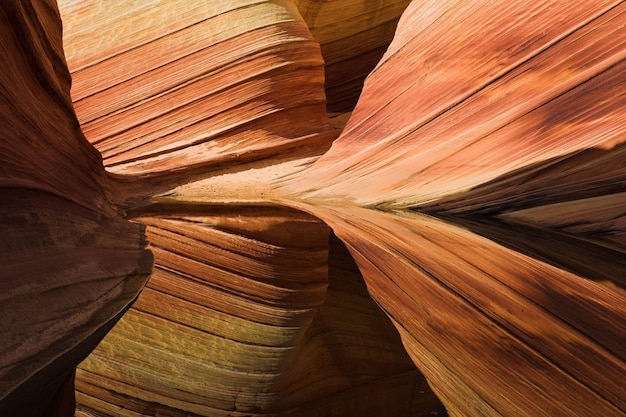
(479, 187)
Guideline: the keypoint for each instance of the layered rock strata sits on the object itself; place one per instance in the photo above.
(515, 135)
(478, 185)
(69, 265)
(353, 36)
(242, 316)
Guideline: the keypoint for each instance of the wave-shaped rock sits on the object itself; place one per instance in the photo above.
(221, 84)
(468, 220)
(495, 331)
(246, 314)
(508, 124)
(463, 97)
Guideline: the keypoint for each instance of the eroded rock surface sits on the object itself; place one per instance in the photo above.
(221, 84)
(353, 36)
(69, 265)
(478, 187)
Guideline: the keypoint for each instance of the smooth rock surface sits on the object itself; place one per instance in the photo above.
(464, 232)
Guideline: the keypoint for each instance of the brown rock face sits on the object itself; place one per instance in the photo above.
(457, 248)
(69, 265)
(353, 36)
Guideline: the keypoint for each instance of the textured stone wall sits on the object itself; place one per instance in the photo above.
(460, 227)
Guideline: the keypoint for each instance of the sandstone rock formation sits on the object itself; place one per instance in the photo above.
(353, 35)
(464, 232)
(69, 265)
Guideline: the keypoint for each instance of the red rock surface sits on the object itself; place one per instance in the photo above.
(353, 35)
(509, 124)
(242, 316)
(463, 97)
(69, 265)
(223, 83)
(466, 228)
(512, 333)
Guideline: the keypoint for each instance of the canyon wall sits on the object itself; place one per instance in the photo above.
(70, 265)
(446, 238)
